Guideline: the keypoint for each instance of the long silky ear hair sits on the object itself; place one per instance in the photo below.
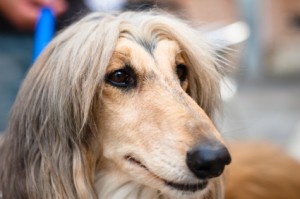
(47, 151)
(51, 148)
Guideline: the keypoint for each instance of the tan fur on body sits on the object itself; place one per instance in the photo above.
(261, 171)
(73, 135)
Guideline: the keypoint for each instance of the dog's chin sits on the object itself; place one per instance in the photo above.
(178, 188)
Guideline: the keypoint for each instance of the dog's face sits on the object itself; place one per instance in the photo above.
(151, 128)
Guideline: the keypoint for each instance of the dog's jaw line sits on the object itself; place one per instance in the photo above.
(177, 186)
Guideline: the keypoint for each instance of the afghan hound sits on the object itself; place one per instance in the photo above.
(118, 107)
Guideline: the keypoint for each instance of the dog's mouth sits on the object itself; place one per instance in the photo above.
(178, 186)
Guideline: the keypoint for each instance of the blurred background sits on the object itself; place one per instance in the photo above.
(259, 38)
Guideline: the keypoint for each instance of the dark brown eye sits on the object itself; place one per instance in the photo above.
(182, 72)
(122, 78)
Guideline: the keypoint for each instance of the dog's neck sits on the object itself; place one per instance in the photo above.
(114, 186)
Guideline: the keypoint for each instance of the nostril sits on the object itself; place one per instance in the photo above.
(208, 161)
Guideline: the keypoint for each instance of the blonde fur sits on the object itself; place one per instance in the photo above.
(54, 144)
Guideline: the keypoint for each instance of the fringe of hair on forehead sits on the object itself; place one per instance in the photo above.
(51, 148)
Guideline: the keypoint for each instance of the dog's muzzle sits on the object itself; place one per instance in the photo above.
(208, 160)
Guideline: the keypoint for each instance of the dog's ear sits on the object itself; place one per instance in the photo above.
(51, 128)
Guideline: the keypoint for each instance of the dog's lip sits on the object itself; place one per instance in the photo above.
(188, 187)
(178, 186)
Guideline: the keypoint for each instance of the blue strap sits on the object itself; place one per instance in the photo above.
(44, 31)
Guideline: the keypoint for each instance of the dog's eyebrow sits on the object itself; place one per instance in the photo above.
(122, 54)
(118, 59)
(179, 57)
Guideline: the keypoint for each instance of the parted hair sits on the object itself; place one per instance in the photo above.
(52, 145)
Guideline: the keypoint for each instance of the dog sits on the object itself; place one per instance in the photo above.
(118, 106)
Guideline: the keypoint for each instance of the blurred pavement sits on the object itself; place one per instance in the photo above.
(266, 109)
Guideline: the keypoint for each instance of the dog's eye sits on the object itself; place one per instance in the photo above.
(182, 72)
(122, 78)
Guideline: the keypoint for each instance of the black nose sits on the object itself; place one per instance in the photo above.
(208, 160)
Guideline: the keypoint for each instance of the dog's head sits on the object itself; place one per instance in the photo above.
(129, 96)
(153, 130)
